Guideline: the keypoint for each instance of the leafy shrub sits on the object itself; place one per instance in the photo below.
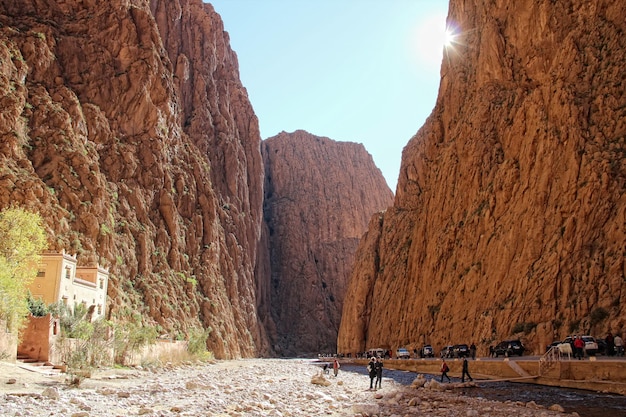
(518, 328)
(598, 315)
(22, 239)
(130, 337)
(75, 323)
(197, 342)
(574, 325)
(36, 306)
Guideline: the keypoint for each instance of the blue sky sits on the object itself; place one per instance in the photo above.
(352, 70)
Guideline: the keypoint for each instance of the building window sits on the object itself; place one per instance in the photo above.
(41, 273)
(68, 273)
(64, 299)
(99, 309)
(101, 284)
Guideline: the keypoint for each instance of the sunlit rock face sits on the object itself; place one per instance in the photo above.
(125, 125)
(510, 213)
(319, 196)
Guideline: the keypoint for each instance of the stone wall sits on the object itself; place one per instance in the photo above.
(8, 343)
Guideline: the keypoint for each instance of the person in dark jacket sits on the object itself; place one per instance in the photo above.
(473, 350)
(610, 344)
(371, 370)
(379, 373)
(465, 371)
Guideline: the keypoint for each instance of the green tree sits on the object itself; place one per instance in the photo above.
(22, 238)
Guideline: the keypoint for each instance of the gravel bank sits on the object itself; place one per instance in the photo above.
(255, 387)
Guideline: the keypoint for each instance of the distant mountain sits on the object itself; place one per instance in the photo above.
(319, 196)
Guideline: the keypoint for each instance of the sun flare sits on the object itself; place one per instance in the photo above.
(448, 38)
(433, 39)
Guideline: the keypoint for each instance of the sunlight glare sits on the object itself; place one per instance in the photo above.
(431, 38)
(448, 38)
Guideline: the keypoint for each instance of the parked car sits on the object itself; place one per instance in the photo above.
(460, 351)
(553, 344)
(591, 347)
(378, 352)
(402, 353)
(427, 352)
(446, 352)
(602, 348)
(508, 348)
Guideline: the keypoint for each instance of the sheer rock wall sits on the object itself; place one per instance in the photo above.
(319, 195)
(125, 125)
(510, 213)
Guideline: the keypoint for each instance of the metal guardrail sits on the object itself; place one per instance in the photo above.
(549, 360)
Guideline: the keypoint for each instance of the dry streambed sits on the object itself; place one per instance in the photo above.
(255, 387)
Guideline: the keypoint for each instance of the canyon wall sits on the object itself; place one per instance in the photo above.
(319, 195)
(125, 125)
(510, 213)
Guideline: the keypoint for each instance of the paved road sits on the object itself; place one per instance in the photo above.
(523, 358)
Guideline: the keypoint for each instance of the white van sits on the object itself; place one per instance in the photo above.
(378, 352)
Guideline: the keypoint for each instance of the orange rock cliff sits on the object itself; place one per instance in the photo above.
(319, 195)
(125, 124)
(510, 213)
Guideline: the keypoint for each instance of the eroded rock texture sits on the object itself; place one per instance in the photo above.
(125, 124)
(510, 212)
(319, 196)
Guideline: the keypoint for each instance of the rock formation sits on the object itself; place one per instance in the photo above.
(125, 125)
(319, 195)
(510, 214)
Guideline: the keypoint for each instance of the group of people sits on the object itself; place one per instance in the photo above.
(465, 371)
(336, 367)
(375, 372)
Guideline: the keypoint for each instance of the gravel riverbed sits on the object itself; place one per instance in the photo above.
(239, 388)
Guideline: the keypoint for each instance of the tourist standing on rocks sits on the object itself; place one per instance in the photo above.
(335, 367)
(371, 370)
(465, 371)
(619, 345)
(444, 370)
(379, 373)
(579, 345)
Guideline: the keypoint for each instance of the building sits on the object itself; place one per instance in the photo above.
(59, 278)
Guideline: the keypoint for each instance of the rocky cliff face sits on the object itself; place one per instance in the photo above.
(125, 124)
(510, 214)
(319, 195)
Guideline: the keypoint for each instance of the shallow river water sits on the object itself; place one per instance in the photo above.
(585, 403)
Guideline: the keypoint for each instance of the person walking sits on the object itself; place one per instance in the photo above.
(619, 345)
(444, 370)
(465, 371)
(379, 373)
(371, 370)
(336, 367)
